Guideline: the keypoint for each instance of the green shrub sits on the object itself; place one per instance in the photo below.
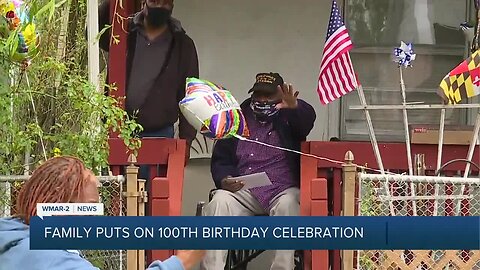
(50, 108)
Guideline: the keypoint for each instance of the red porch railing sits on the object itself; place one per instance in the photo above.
(321, 181)
(166, 159)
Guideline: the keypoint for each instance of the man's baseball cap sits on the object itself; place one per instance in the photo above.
(267, 83)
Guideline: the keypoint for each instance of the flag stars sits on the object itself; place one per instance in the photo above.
(331, 84)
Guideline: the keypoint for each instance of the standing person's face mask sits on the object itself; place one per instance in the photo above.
(264, 111)
(158, 16)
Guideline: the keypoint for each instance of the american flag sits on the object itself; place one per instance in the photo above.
(337, 77)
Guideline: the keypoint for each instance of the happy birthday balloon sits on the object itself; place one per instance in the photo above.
(212, 110)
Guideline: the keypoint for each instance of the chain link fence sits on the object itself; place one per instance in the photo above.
(400, 195)
(111, 189)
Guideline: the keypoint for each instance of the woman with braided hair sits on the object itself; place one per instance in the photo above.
(60, 180)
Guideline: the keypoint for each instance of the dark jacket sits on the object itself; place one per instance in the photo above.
(293, 127)
(160, 108)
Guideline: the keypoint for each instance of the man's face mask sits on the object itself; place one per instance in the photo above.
(264, 111)
(157, 16)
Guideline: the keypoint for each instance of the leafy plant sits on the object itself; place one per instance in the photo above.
(368, 207)
(366, 263)
(49, 107)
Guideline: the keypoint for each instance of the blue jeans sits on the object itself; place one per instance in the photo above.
(167, 132)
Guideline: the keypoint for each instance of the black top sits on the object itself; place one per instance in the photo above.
(158, 107)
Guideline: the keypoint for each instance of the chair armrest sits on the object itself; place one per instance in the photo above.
(210, 194)
(199, 211)
(200, 204)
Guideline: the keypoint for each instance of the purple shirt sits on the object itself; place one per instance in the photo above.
(255, 158)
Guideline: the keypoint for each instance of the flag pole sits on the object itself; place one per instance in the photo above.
(374, 142)
(439, 157)
(405, 123)
(407, 138)
(371, 132)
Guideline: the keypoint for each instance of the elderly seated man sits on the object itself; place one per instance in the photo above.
(277, 117)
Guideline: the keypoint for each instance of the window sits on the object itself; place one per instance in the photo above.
(376, 27)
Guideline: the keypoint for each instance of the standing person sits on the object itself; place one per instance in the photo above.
(61, 180)
(275, 116)
(160, 56)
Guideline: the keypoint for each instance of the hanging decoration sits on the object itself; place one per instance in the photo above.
(404, 54)
(21, 35)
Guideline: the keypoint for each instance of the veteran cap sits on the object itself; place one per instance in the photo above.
(267, 82)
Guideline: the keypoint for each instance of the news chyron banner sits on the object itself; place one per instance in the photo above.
(264, 233)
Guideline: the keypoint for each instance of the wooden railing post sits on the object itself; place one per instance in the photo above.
(421, 188)
(142, 200)
(419, 164)
(132, 195)
(348, 206)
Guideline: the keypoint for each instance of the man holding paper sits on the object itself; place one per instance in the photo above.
(256, 179)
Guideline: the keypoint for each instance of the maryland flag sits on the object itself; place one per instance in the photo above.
(462, 82)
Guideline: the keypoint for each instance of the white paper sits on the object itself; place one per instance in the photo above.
(254, 180)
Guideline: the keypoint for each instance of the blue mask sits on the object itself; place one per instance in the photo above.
(264, 111)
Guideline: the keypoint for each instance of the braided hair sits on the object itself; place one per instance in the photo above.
(58, 180)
